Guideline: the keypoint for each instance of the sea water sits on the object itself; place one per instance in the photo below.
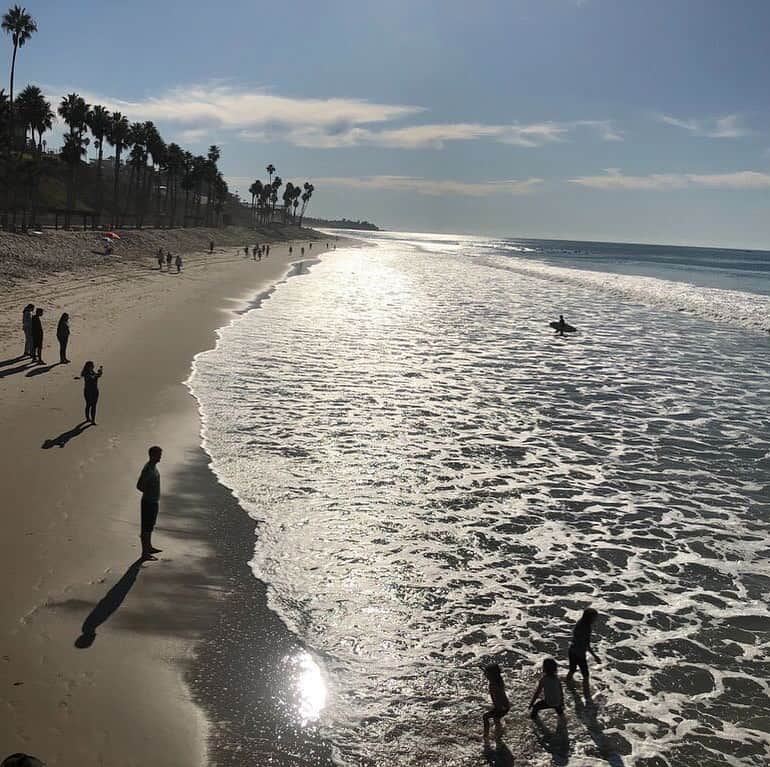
(439, 481)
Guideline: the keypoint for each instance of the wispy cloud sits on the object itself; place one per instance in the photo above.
(433, 187)
(614, 180)
(201, 111)
(728, 126)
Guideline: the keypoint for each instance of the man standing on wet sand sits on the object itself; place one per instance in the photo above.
(149, 486)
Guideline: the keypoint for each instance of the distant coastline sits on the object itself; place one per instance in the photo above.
(342, 223)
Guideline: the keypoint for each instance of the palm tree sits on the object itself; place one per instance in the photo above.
(34, 113)
(275, 186)
(254, 191)
(306, 195)
(288, 196)
(137, 140)
(175, 163)
(20, 26)
(98, 121)
(188, 182)
(74, 111)
(117, 135)
(156, 150)
(270, 170)
(213, 156)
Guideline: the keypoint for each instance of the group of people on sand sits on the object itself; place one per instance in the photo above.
(257, 251)
(34, 334)
(167, 258)
(549, 693)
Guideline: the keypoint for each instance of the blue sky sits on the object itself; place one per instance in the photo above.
(643, 120)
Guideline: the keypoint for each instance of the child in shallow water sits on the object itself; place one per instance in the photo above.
(500, 704)
(550, 688)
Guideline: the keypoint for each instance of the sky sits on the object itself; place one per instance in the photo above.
(624, 120)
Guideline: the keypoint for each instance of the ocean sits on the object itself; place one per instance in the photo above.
(438, 481)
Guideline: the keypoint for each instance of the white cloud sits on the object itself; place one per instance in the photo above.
(613, 179)
(728, 126)
(432, 187)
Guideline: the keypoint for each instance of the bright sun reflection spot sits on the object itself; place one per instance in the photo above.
(310, 687)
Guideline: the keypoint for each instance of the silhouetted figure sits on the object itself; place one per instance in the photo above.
(290, 249)
(26, 326)
(178, 262)
(310, 246)
(63, 336)
(549, 690)
(254, 252)
(168, 260)
(37, 336)
(149, 486)
(267, 250)
(302, 250)
(500, 704)
(160, 259)
(211, 246)
(21, 760)
(562, 324)
(91, 389)
(580, 645)
(108, 604)
(246, 250)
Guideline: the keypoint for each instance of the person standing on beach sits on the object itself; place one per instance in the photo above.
(211, 246)
(254, 252)
(37, 336)
(580, 646)
(302, 250)
(63, 336)
(290, 249)
(91, 389)
(500, 704)
(267, 250)
(168, 260)
(26, 326)
(178, 263)
(148, 485)
(160, 259)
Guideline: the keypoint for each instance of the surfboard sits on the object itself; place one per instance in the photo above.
(567, 327)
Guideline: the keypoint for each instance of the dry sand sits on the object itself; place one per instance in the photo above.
(94, 644)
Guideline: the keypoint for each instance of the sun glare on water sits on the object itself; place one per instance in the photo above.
(310, 686)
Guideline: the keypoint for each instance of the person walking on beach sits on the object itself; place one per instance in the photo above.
(500, 703)
(37, 336)
(246, 250)
(254, 252)
(91, 389)
(211, 246)
(178, 263)
(168, 260)
(267, 251)
(580, 646)
(291, 249)
(302, 250)
(549, 690)
(26, 326)
(63, 336)
(160, 259)
(148, 485)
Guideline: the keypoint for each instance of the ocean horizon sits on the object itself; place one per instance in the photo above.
(438, 481)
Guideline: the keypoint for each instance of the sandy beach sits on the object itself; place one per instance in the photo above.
(96, 644)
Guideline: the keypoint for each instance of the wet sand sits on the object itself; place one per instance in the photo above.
(104, 659)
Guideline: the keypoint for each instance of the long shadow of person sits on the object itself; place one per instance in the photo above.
(107, 605)
(555, 742)
(12, 360)
(65, 436)
(587, 712)
(499, 756)
(12, 371)
(40, 370)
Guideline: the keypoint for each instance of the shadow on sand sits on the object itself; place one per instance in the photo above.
(555, 742)
(18, 369)
(108, 604)
(38, 371)
(499, 756)
(586, 713)
(66, 436)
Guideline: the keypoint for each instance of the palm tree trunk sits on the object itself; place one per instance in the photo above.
(116, 176)
(13, 74)
(99, 177)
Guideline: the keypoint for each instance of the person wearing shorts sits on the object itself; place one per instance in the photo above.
(149, 486)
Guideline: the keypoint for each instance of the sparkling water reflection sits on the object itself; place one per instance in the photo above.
(439, 481)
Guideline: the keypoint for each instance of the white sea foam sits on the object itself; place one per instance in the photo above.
(440, 481)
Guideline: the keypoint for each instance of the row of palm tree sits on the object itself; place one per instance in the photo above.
(150, 160)
(264, 198)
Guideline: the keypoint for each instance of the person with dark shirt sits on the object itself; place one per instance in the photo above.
(26, 326)
(91, 389)
(267, 251)
(168, 260)
(500, 704)
(178, 262)
(37, 336)
(63, 336)
(562, 325)
(580, 646)
(211, 246)
(148, 485)
(160, 259)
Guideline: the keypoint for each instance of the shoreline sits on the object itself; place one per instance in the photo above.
(98, 649)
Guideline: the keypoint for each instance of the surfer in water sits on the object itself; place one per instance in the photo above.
(561, 325)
